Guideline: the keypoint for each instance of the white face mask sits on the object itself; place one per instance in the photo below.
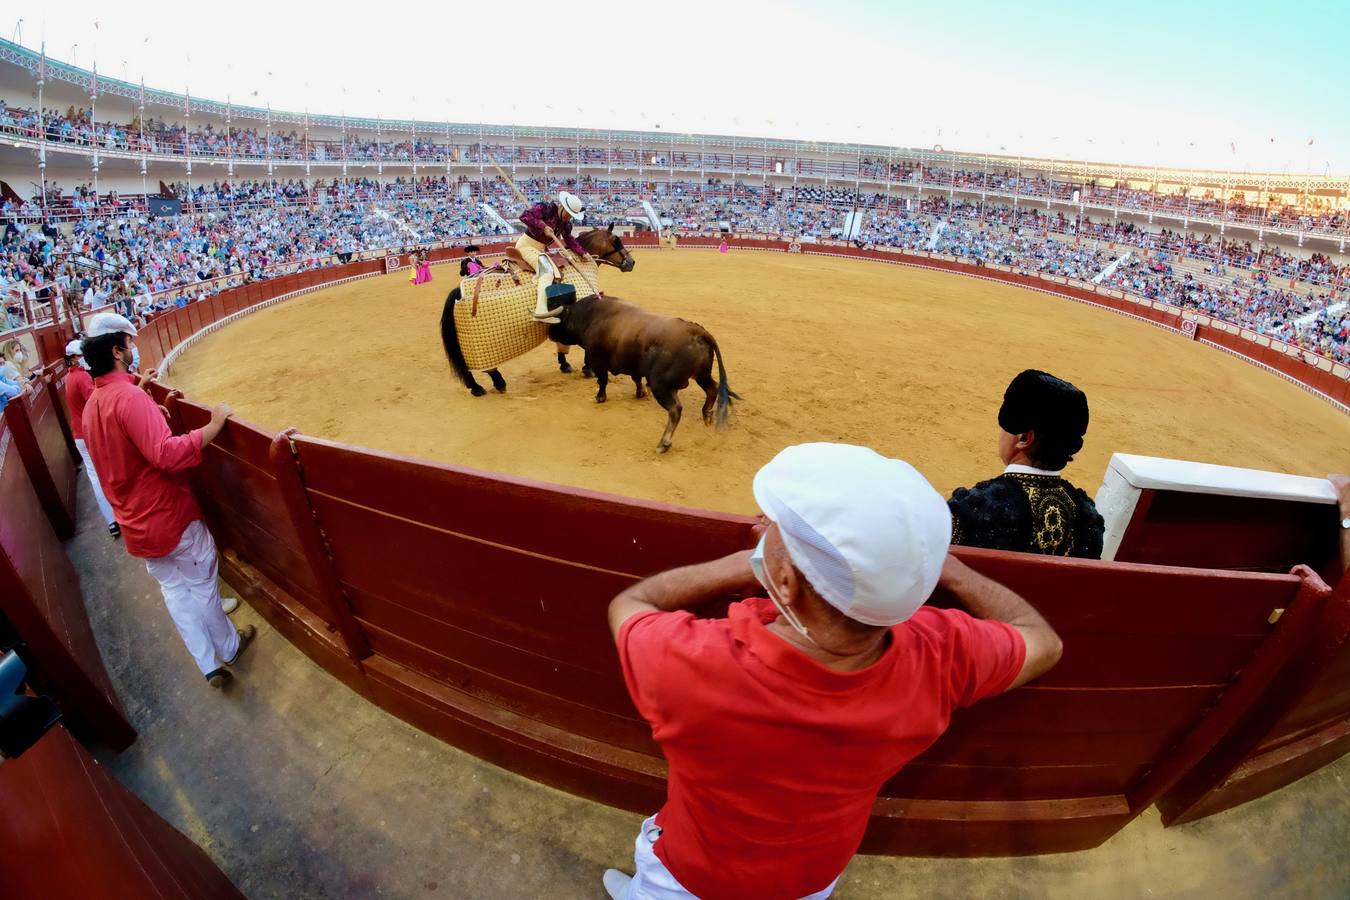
(761, 575)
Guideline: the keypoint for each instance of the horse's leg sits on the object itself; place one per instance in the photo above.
(586, 371)
(475, 388)
(498, 381)
(670, 401)
(641, 391)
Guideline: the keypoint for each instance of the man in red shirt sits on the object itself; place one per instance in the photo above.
(79, 387)
(140, 464)
(781, 722)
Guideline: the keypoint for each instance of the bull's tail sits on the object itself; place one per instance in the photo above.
(724, 391)
(450, 337)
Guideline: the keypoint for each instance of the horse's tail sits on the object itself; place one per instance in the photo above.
(724, 391)
(450, 337)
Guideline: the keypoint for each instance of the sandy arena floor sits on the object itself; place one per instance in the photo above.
(908, 361)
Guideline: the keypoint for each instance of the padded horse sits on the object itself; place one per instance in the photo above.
(604, 246)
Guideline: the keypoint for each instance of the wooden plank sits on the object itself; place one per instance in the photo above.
(40, 596)
(247, 510)
(22, 416)
(585, 526)
(196, 321)
(69, 829)
(1307, 638)
(317, 552)
(554, 708)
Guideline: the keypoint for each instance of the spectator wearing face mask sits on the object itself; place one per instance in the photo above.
(781, 721)
(140, 465)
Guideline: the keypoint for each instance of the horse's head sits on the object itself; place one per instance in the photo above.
(607, 247)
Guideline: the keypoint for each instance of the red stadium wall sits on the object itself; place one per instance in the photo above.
(479, 617)
(69, 829)
(40, 598)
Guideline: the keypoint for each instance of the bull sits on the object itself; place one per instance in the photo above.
(662, 351)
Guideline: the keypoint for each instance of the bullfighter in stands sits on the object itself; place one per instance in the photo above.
(1030, 507)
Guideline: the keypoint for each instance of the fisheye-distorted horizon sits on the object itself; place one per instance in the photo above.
(1202, 85)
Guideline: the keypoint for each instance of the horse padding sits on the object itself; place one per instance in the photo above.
(494, 316)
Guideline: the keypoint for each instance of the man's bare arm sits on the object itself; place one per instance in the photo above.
(985, 598)
(682, 588)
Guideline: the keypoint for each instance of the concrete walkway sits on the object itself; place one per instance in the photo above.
(299, 788)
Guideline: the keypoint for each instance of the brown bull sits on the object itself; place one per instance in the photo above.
(665, 352)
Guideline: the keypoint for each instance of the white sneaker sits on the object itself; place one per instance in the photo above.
(616, 883)
(229, 604)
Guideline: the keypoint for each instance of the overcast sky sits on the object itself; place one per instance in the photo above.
(1229, 85)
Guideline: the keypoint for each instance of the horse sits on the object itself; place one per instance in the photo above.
(604, 246)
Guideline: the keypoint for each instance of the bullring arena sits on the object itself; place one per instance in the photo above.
(434, 705)
(896, 357)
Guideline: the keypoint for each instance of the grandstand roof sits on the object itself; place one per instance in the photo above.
(41, 66)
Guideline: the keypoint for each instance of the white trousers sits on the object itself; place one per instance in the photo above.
(536, 256)
(187, 576)
(653, 880)
(104, 506)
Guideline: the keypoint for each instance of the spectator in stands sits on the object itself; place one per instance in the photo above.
(79, 387)
(9, 389)
(781, 721)
(1030, 507)
(140, 464)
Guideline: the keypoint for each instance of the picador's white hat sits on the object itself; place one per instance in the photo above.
(869, 533)
(572, 203)
(75, 348)
(109, 323)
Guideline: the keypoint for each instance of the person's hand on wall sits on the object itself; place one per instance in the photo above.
(1341, 483)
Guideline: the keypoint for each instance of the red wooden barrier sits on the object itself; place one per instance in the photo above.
(69, 829)
(40, 596)
(472, 605)
(51, 341)
(262, 552)
(41, 444)
(194, 315)
(55, 376)
(1302, 726)
(480, 611)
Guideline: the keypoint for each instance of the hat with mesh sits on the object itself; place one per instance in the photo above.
(869, 533)
(109, 323)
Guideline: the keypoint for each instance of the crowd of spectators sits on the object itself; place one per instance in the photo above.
(404, 144)
(115, 252)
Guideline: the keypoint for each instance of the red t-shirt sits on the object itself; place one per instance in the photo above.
(78, 388)
(774, 759)
(139, 463)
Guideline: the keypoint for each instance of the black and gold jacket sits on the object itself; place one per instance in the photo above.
(1031, 513)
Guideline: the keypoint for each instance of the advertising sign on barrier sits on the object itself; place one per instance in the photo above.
(1188, 328)
(392, 263)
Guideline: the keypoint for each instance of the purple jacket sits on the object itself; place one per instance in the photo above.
(547, 215)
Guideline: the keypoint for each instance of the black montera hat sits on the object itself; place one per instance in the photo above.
(1053, 408)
